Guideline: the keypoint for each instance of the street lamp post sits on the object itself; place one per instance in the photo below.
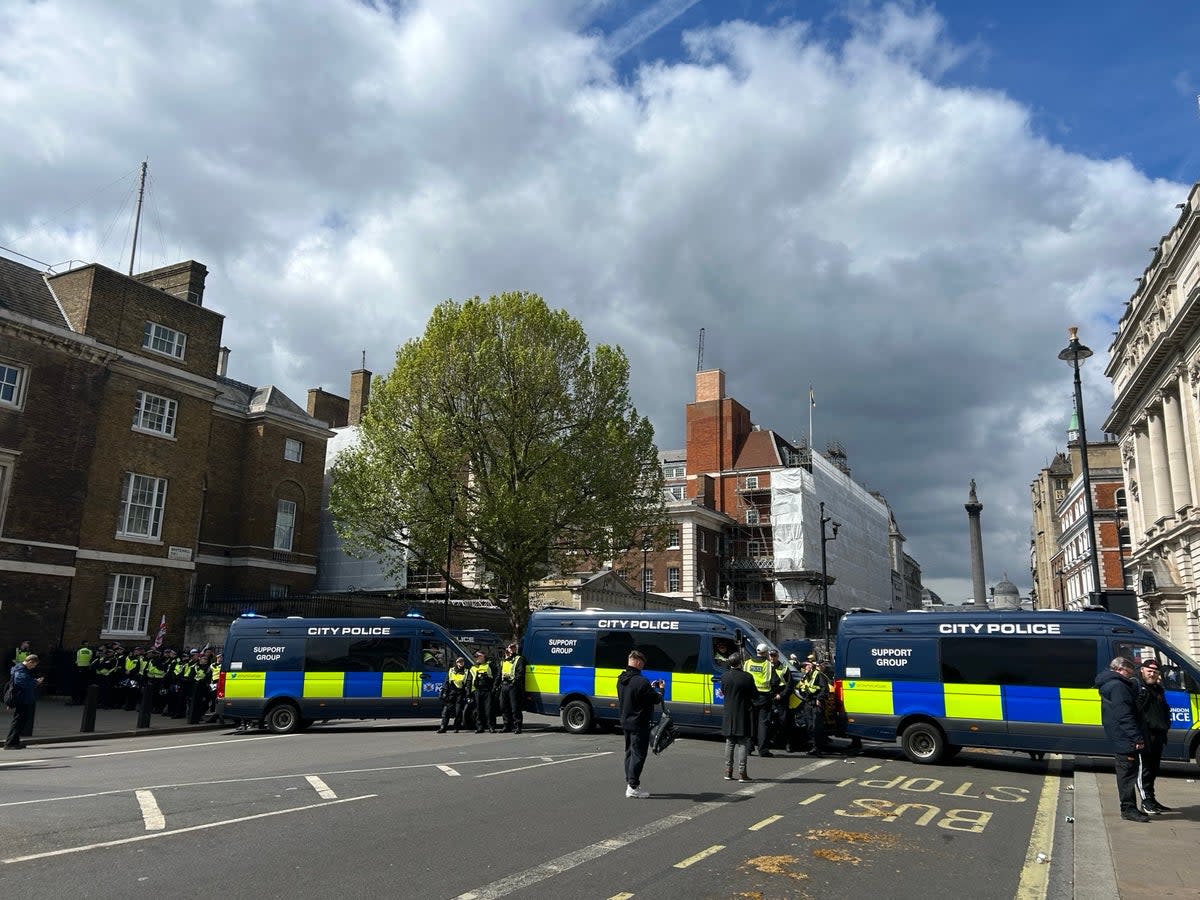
(1073, 354)
(825, 576)
(645, 566)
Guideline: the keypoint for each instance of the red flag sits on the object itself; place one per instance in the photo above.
(162, 632)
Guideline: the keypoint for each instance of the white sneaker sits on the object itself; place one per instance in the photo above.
(636, 793)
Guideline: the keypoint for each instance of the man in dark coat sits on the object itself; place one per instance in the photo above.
(512, 688)
(1156, 715)
(636, 698)
(737, 723)
(24, 697)
(1124, 728)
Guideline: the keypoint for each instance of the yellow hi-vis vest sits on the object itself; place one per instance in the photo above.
(457, 678)
(508, 668)
(760, 671)
(83, 657)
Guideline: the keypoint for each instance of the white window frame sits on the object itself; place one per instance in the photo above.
(142, 488)
(278, 590)
(752, 515)
(15, 384)
(674, 470)
(8, 466)
(648, 580)
(702, 540)
(673, 579)
(285, 531)
(674, 537)
(293, 450)
(174, 341)
(145, 416)
(675, 491)
(751, 483)
(128, 604)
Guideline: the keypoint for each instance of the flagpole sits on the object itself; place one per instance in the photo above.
(812, 401)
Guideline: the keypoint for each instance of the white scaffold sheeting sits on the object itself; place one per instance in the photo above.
(858, 559)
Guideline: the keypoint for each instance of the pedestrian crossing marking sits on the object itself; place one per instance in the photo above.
(321, 787)
(449, 771)
(151, 814)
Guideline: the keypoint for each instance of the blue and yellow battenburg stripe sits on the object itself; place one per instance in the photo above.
(682, 687)
(332, 685)
(994, 702)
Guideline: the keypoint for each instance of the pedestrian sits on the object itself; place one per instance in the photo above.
(1156, 715)
(1124, 728)
(512, 688)
(454, 695)
(737, 722)
(636, 698)
(814, 695)
(760, 669)
(483, 686)
(24, 699)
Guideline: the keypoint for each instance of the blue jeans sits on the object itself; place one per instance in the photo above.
(736, 751)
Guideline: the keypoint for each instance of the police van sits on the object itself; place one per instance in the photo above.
(941, 681)
(573, 658)
(291, 672)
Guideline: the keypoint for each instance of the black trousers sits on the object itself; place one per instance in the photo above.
(1151, 763)
(762, 735)
(814, 718)
(20, 715)
(637, 745)
(1129, 775)
(512, 699)
(454, 708)
(485, 714)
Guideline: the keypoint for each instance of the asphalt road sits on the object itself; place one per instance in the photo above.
(398, 811)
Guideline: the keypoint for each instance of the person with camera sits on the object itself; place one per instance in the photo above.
(636, 697)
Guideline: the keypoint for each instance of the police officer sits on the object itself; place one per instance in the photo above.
(106, 666)
(814, 691)
(483, 686)
(83, 672)
(512, 688)
(155, 672)
(134, 667)
(22, 653)
(454, 695)
(782, 690)
(763, 673)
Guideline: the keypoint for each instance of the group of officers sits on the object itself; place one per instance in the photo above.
(483, 689)
(180, 684)
(791, 700)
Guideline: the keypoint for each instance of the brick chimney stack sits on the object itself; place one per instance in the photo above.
(360, 393)
(184, 280)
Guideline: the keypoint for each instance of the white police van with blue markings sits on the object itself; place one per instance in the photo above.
(1012, 680)
(291, 672)
(573, 659)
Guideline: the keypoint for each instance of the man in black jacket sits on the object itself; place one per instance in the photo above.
(737, 717)
(1156, 714)
(483, 687)
(637, 698)
(1123, 726)
(512, 688)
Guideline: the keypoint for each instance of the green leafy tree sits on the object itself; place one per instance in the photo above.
(500, 432)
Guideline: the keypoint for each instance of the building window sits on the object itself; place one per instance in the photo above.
(752, 516)
(674, 536)
(127, 609)
(142, 500)
(623, 573)
(285, 525)
(279, 590)
(702, 539)
(648, 580)
(675, 492)
(12, 385)
(8, 463)
(754, 591)
(752, 482)
(164, 340)
(293, 450)
(673, 579)
(674, 470)
(155, 414)
(758, 549)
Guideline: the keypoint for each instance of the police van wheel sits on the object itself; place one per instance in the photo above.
(923, 742)
(577, 717)
(283, 718)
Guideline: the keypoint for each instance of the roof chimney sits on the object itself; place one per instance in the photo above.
(360, 393)
(329, 408)
(710, 385)
(222, 361)
(184, 280)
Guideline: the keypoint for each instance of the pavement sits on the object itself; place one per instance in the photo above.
(1112, 858)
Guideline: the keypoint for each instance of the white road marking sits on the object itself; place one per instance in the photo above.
(520, 880)
(625, 896)
(20, 762)
(321, 787)
(146, 837)
(449, 771)
(265, 737)
(186, 784)
(151, 814)
(703, 854)
(813, 799)
(759, 826)
(540, 765)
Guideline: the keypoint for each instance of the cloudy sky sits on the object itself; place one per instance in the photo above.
(903, 205)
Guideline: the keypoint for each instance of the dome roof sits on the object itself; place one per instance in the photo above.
(1007, 587)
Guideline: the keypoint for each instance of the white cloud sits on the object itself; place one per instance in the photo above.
(833, 214)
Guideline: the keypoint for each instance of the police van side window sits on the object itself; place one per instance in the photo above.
(368, 655)
(1066, 662)
(664, 652)
(434, 655)
(1174, 676)
(268, 654)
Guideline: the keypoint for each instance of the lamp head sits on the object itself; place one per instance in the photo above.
(836, 526)
(1074, 353)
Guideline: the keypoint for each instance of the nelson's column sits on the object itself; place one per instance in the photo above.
(974, 508)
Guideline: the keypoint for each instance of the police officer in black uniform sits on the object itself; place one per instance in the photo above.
(512, 688)
(483, 687)
(454, 695)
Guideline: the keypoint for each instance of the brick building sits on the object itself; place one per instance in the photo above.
(132, 470)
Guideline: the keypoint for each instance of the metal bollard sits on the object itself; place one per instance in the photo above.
(90, 701)
(143, 720)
